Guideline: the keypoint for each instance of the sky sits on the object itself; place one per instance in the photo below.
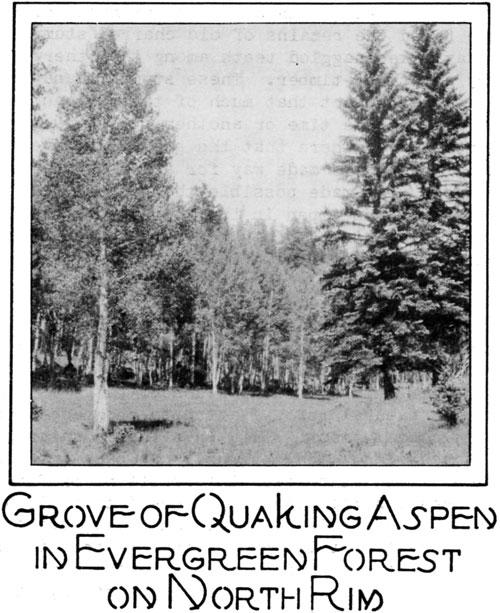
(256, 107)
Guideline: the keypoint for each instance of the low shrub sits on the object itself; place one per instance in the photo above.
(119, 436)
(36, 410)
(450, 399)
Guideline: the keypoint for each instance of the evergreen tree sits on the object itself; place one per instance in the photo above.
(402, 302)
(206, 215)
(372, 160)
(373, 153)
(437, 123)
(439, 169)
(383, 298)
(105, 184)
(299, 245)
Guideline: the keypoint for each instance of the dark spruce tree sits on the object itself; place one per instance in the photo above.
(439, 171)
(401, 302)
(382, 297)
(373, 152)
(371, 163)
(437, 119)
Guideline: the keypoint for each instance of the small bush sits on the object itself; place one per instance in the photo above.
(450, 399)
(36, 410)
(119, 436)
(64, 383)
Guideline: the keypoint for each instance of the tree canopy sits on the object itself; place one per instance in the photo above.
(401, 301)
(131, 282)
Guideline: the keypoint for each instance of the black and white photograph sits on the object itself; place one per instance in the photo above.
(250, 244)
(249, 307)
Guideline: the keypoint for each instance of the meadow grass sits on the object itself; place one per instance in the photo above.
(198, 427)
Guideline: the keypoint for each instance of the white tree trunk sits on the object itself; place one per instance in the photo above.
(302, 364)
(89, 364)
(101, 415)
(265, 358)
(193, 357)
(215, 361)
(139, 370)
(36, 342)
(171, 349)
(267, 340)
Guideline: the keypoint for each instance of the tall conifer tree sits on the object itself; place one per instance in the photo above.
(372, 161)
(402, 303)
(438, 118)
(439, 169)
(372, 155)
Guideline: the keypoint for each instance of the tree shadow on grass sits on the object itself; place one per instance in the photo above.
(146, 425)
(324, 398)
(333, 396)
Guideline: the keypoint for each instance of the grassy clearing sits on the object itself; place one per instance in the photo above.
(196, 427)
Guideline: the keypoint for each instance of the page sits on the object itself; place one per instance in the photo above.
(249, 310)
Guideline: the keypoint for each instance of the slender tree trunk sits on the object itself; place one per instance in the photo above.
(350, 386)
(207, 359)
(163, 368)
(221, 363)
(147, 370)
(193, 358)
(101, 416)
(263, 372)
(36, 342)
(389, 389)
(139, 370)
(267, 341)
(45, 340)
(89, 369)
(302, 364)
(69, 352)
(214, 360)
(52, 352)
(171, 349)
(323, 377)
(78, 354)
(277, 370)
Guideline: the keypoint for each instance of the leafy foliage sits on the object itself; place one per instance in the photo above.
(451, 399)
(36, 410)
(119, 436)
(103, 188)
(127, 278)
(39, 84)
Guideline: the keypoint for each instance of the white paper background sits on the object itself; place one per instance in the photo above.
(472, 586)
